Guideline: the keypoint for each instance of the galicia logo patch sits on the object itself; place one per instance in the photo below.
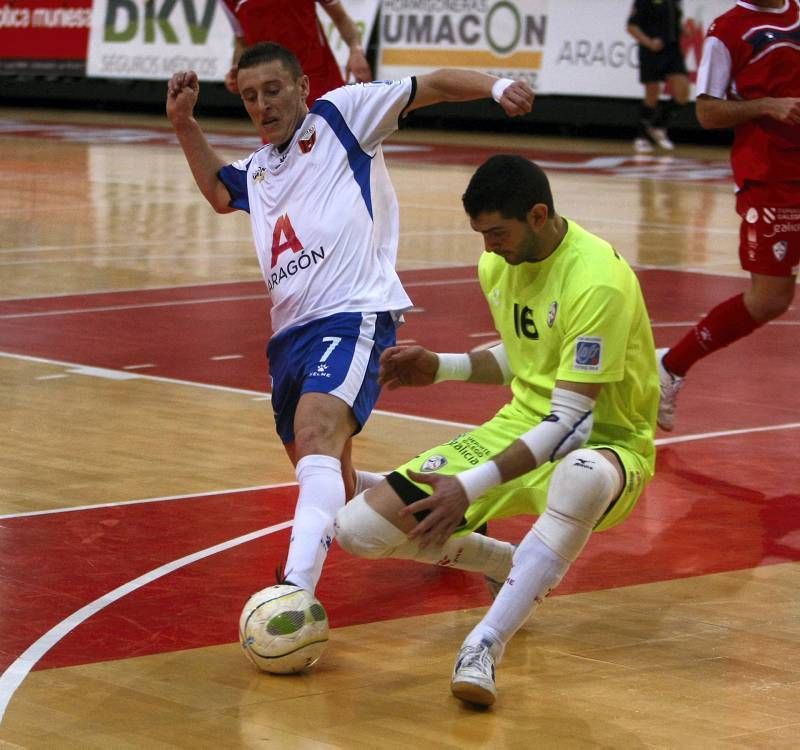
(551, 314)
(433, 463)
(588, 353)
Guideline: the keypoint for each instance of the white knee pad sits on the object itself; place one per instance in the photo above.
(581, 489)
(362, 531)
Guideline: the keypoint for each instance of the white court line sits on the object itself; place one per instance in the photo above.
(203, 301)
(11, 679)
(222, 388)
(162, 499)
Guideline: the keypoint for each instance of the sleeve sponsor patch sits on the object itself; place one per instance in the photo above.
(588, 353)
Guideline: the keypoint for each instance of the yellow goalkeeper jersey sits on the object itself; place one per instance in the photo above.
(579, 315)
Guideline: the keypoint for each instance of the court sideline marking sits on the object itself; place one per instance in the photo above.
(11, 679)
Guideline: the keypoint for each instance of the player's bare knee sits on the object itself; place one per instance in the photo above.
(362, 531)
(583, 486)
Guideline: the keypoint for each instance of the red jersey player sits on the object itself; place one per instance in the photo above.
(749, 79)
(294, 25)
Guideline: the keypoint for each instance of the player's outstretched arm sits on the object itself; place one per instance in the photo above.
(727, 113)
(182, 92)
(452, 85)
(417, 366)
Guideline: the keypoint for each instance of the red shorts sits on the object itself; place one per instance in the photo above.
(769, 235)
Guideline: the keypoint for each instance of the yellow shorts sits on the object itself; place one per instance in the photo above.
(525, 495)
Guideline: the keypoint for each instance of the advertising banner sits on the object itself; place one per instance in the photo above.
(151, 40)
(44, 36)
(501, 37)
(566, 47)
(590, 52)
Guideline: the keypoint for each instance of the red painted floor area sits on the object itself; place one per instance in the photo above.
(179, 331)
(689, 523)
(729, 503)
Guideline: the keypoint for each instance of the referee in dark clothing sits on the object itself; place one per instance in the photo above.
(657, 27)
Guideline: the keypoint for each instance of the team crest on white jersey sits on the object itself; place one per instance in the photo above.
(551, 314)
(433, 463)
(260, 174)
(307, 139)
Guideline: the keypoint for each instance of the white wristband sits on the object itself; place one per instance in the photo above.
(453, 367)
(479, 479)
(499, 86)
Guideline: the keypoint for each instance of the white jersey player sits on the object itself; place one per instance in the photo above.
(324, 212)
(325, 222)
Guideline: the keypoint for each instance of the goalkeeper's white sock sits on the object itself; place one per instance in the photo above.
(321, 495)
(536, 570)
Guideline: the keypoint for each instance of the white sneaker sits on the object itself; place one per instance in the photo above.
(643, 146)
(659, 135)
(473, 675)
(670, 387)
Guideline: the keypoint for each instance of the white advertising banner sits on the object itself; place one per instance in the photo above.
(497, 36)
(151, 39)
(569, 47)
(590, 53)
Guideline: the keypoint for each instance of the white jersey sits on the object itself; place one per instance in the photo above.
(324, 213)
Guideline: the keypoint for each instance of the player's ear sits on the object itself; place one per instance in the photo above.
(304, 86)
(538, 214)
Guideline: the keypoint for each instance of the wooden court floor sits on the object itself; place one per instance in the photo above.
(144, 495)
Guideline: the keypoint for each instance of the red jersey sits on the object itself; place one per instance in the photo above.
(763, 56)
(292, 24)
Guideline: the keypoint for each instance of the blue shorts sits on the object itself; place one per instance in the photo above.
(337, 355)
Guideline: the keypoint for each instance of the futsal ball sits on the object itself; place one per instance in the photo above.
(283, 629)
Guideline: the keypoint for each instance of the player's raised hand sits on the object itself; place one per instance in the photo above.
(447, 505)
(407, 365)
(517, 99)
(182, 92)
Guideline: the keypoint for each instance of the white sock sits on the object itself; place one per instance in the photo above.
(321, 496)
(365, 480)
(536, 570)
(475, 552)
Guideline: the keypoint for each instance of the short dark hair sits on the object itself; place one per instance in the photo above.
(266, 52)
(509, 184)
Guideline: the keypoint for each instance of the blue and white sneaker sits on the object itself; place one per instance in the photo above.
(473, 675)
